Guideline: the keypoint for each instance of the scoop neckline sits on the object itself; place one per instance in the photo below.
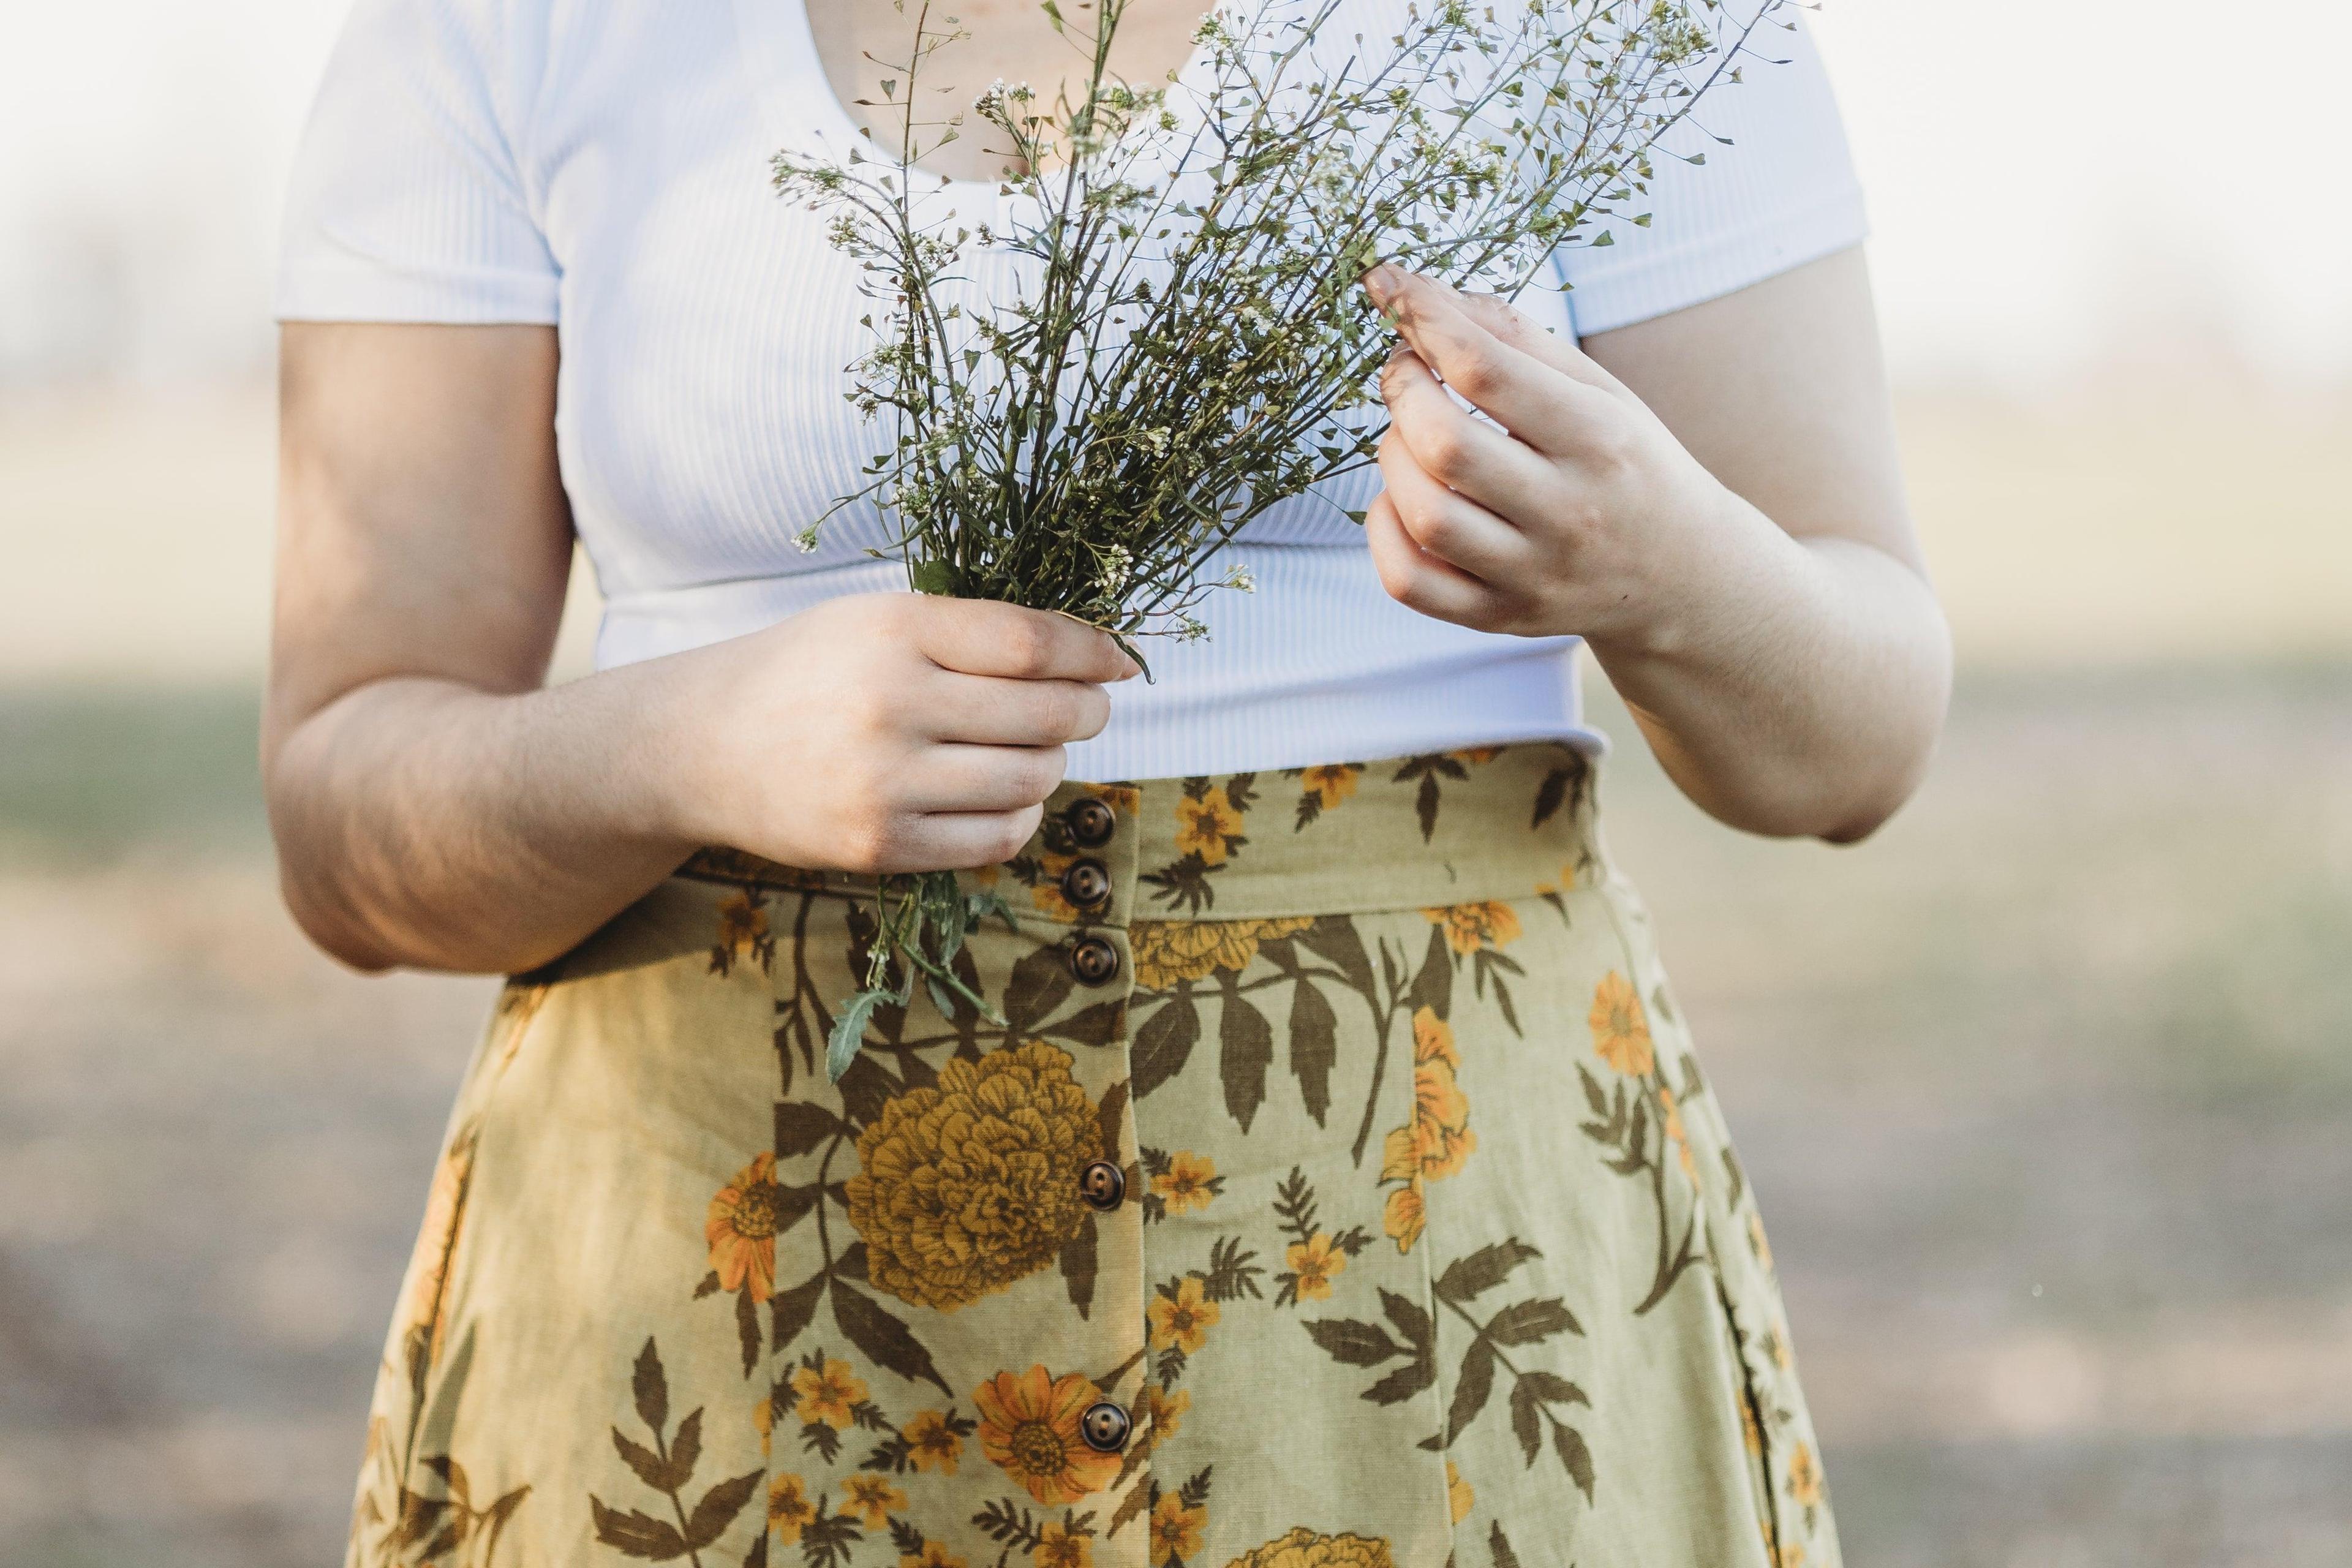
(817, 97)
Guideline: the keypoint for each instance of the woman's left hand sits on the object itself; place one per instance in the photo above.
(1580, 515)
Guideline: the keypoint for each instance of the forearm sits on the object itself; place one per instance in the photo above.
(427, 824)
(1800, 688)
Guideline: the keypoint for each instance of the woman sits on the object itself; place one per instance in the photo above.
(1342, 1190)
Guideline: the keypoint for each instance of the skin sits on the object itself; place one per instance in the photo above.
(1711, 497)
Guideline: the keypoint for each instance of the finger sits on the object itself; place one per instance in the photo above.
(992, 711)
(1522, 332)
(979, 637)
(959, 840)
(1451, 528)
(1418, 580)
(1539, 405)
(1458, 449)
(955, 777)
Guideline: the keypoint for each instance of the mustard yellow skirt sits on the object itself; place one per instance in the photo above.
(1340, 1191)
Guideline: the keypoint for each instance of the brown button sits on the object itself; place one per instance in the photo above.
(1104, 1426)
(1086, 884)
(1090, 823)
(1102, 1185)
(1093, 961)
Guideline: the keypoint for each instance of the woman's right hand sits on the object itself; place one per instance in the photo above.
(886, 733)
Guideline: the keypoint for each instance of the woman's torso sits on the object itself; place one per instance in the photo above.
(706, 325)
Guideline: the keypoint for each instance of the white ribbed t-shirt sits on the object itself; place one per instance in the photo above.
(603, 166)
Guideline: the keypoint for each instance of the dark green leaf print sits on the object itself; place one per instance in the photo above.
(1245, 1049)
(1314, 1046)
(1164, 1042)
(882, 1338)
(667, 1467)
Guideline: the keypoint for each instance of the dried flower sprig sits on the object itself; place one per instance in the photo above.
(1185, 344)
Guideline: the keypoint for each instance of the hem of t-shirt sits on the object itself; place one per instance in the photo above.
(323, 290)
(1722, 262)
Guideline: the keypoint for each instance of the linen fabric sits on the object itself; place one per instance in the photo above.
(1344, 1170)
(603, 166)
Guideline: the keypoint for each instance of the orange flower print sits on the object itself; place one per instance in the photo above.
(1469, 927)
(1160, 1413)
(1676, 1135)
(1330, 785)
(1748, 1431)
(968, 1183)
(1804, 1477)
(424, 1304)
(1315, 1261)
(1459, 1496)
(932, 1555)
(789, 1509)
(1029, 1427)
(1404, 1215)
(1757, 1242)
(742, 933)
(1477, 755)
(1059, 1546)
(1302, 1548)
(742, 1229)
(1183, 1321)
(1208, 826)
(1566, 883)
(1167, 952)
(1175, 1528)
(871, 1500)
(1621, 1035)
(830, 1393)
(1185, 1184)
(1437, 1140)
(932, 1443)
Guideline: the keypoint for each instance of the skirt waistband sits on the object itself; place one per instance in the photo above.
(1446, 828)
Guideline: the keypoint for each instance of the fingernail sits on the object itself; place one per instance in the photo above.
(1382, 282)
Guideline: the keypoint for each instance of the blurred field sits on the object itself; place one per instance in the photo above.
(2047, 1089)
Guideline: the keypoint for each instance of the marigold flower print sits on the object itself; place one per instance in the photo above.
(1804, 1477)
(1029, 1427)
(1184, 1184)
(967, 1187)
(1620, 1033)
(789, 1511)
(1437, 1140)
(1208, 825)
(1469, 927)
(1160, 1413)
(1175, 1528)
(1315, 1260)
(871, 1500)
(1302, 1548)
(830, 1393)
(742, 1229)
(1330, 785)
(1168, 951)
(742, 933)
(932, 1555)
(932, 1444)
(1059, 1546)
(1183, 1321)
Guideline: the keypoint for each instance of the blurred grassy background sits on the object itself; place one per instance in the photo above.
(2046, 1088)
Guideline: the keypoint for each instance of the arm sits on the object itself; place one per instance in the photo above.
(1713, 500)
(435, 805)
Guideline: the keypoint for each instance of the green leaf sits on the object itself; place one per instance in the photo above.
(1467, 1276)
(651, 1388)
(1053, 13)
(1354, 1342)
(719, 1507)
(1531, 1323)
(883, 1337)
(1471, 1388)
(635, 1535)
(932, 577)
(1245, 1042)
(1314, 1046)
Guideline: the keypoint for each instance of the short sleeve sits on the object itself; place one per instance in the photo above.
(1782, 193)
(408, 201)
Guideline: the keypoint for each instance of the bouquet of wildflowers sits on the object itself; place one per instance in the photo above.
(1185, 344)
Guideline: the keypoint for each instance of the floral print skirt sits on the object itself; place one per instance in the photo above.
(1339, 1190)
